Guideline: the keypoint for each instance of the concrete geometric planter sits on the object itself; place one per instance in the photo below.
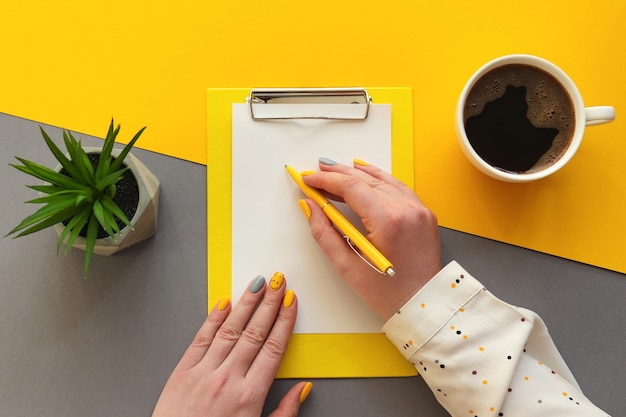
(144, 221)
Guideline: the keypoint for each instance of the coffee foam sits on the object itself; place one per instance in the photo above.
(549, 104)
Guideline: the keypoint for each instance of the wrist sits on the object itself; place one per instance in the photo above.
(424, 314)
(410, 287)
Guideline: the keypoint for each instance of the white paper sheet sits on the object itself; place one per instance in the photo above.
(270, 233)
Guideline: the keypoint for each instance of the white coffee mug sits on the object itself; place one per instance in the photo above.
(584, 116)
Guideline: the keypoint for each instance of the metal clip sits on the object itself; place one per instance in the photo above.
(309, 103)
(349, 242)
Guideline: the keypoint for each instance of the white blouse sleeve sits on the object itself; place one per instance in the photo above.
(481, 356)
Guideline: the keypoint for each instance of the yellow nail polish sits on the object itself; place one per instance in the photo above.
(223, 303)
(361, 162)
(277, 281)
(308, 172)
(305, 208)
(289, 298)
(305, 391)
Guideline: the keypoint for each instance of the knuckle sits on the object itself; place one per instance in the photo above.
(433, 218)
(249, 397)
(351, 183)
(322, 230)
(274, 347)
(201, 341)
(411, 215)
(228, 333)
(344, 267)
(253, 336)
(318, 232)
(424, 215)
(375, 182)
(220, 382)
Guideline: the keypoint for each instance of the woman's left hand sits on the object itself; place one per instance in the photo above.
(230, 365)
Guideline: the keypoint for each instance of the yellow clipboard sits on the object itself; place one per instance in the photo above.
(308, 355)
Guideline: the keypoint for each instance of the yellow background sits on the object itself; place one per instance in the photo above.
(76, 64)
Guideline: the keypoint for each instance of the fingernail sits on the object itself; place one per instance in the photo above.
(305, 391)
(257, 284)
(305, 208)
(327, 161)
(223, 303)
(277, 281)
(288, 299)
(361, 162)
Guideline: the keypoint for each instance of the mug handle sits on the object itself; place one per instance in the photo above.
(598, 115)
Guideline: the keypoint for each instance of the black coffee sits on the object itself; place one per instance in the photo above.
(519, 118)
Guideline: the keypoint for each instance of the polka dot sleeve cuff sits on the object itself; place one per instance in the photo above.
(481, 356)
(419, 319)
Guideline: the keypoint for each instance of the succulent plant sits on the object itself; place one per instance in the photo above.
(81, 195)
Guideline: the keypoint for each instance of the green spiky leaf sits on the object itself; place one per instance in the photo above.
(92, 235)
(115, 210)
(120, 158)
(46, 189)
(52, 209)
(49, 175)
(51, 220)
(76, 224)
(109, 180)
(103, 219)
(104, 164)
(77, 194)
(59, 155)
(83, 218)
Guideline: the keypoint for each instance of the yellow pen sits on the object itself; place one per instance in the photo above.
(353, 236)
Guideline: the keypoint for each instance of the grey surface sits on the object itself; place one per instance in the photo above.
(104, 346)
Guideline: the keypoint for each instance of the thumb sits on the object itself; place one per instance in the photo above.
(323, 231)
(291, 402)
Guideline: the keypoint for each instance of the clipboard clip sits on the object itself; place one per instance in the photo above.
(309, 103)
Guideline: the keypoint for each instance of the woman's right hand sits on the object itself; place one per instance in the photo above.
(397, 223)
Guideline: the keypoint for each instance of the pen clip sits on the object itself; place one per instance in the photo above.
(349, 242)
